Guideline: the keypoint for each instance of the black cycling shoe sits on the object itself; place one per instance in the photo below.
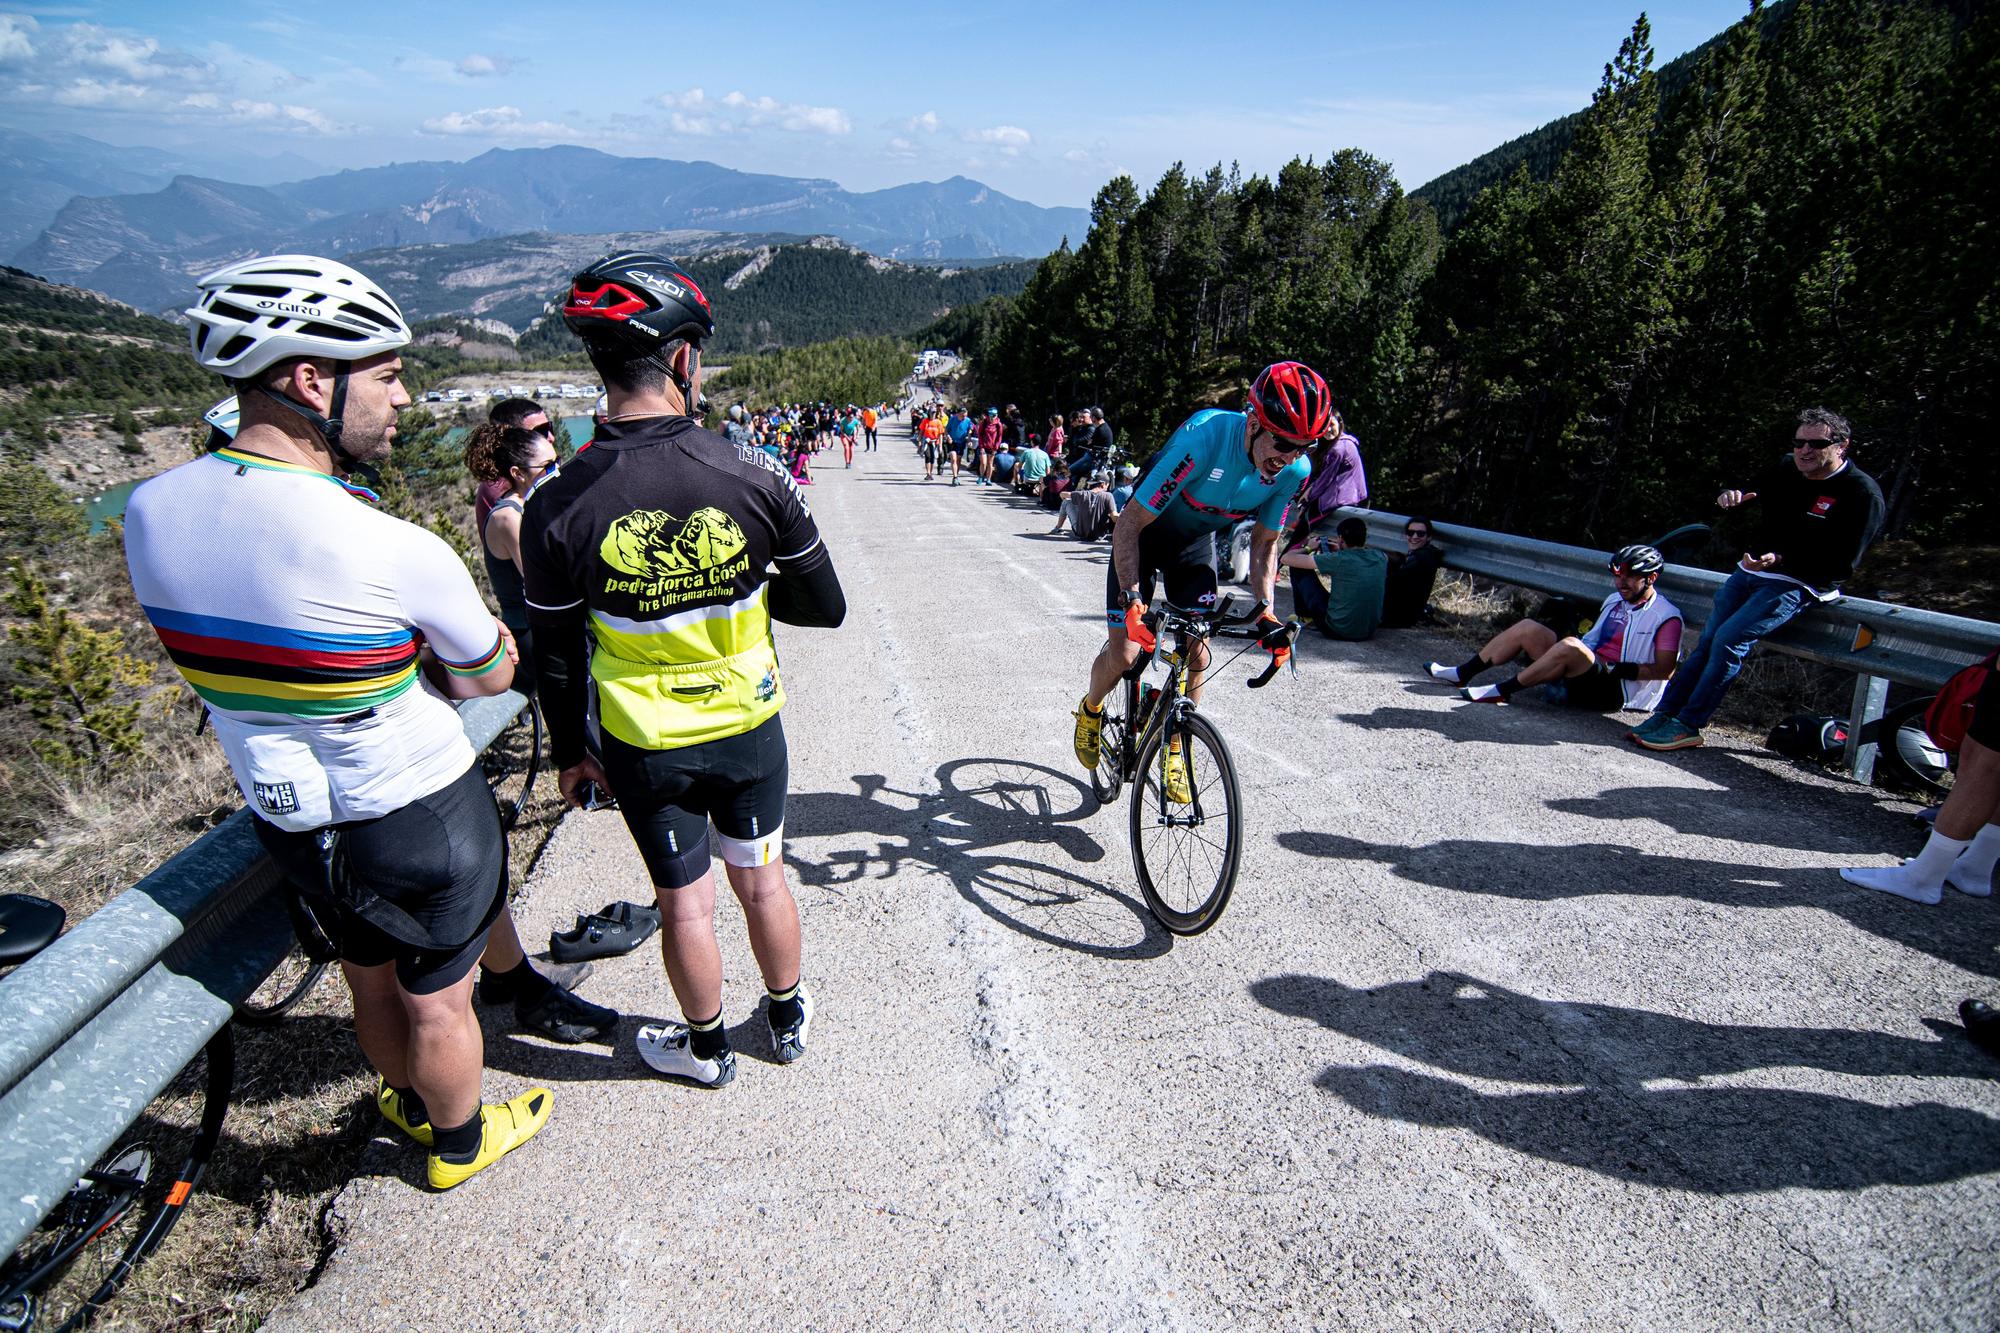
(617, 929)
(1982, 1024)
(561, 1016)
(504, 988)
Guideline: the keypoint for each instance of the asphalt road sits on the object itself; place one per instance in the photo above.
(1510, 1024)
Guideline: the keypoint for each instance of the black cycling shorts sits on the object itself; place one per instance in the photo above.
(1189, 572)
(669, 797)
(424, 882)
(1593, 692)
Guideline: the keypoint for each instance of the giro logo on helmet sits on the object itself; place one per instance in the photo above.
(290, 308)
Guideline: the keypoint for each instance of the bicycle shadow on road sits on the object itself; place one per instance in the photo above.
(1960, 933)
(984, 829)
(1600, 1116)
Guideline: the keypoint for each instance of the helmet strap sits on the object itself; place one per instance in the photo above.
(329, 426)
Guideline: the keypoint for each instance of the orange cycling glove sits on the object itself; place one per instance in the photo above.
(1274, 634)
(1136, 628)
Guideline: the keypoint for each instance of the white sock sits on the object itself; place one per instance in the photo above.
(1480, 694)
(1921, 878)
(1448, 674)
(1972, 872)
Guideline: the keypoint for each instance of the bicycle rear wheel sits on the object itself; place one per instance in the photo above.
(512, 762)
(178, 1129)
(1109, 775)
(1186, 854)
(289, 983)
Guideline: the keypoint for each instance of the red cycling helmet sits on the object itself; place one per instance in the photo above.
(1291, 401)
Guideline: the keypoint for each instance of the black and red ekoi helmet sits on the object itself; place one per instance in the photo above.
(1291, 401)
(639, 301)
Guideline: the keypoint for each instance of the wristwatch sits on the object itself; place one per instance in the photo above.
(1132, 598)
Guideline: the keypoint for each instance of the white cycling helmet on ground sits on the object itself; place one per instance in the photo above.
(254, 313)
(257, 312)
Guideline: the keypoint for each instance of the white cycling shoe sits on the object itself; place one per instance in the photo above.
(666, 1050)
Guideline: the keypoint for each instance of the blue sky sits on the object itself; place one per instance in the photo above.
(1044, 101)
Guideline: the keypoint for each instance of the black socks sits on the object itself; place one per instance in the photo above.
(522, 984)
(787, 1009)
(412, 1106)
(1508, 687)
(1472, 668)
(707, 1040)
(460, 1145)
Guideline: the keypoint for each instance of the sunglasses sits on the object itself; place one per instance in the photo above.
(1284, 448)
(1416, 534)
(1801, 443)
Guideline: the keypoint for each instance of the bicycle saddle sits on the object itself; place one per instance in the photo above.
(28, 925)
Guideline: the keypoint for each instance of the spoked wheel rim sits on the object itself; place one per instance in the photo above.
(1187, 855)
(1109, 775)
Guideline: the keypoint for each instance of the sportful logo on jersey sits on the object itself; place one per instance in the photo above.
(1216, 475)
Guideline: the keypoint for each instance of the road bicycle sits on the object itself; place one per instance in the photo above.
(119, 1212)
(1185, 852)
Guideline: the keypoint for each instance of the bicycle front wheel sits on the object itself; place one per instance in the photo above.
(512, 762)
(1186, 852)
(148, 1179)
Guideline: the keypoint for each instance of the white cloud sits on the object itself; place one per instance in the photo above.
(1007, 140)
(478, 66)
(1007, 135)
(98, 92)
(135, 58)
(736, 110)
(499, 122)
(928, 123)
(900, 148)
(17, 38)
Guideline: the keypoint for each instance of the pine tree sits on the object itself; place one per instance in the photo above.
(78, 684)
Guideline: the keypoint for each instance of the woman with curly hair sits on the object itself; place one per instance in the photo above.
(520, 458)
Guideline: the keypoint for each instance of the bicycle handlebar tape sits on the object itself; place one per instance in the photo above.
(1137, 630)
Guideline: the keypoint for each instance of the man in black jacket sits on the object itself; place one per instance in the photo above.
(1816, 515)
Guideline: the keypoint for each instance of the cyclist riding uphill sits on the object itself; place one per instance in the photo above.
(1218, 468)
(325, 637)
(660, 542)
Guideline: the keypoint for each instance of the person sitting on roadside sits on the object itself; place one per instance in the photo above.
(1623, 661)
(1356, 573)
(1054, 486)
(1412, 575)
(1128, 478)
(1088, 513)
(1818, 514)
(1032, 464)
(1337, 480)
(1001, 470)
(1964, 843)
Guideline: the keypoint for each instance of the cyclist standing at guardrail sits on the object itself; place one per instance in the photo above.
(304, 619)
(1817, 513)
(1218, 468)
(661, 542)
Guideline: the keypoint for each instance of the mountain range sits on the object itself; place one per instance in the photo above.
(143, 248)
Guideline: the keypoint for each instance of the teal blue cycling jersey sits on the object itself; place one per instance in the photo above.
(1204, 481)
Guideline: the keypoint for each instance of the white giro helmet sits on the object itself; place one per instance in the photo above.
(257, 312)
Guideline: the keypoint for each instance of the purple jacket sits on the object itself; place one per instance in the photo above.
(1339, 481)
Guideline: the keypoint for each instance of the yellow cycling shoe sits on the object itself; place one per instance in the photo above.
(502, 1129)
(390, 1103)
(1089, 736)
(1177, 777)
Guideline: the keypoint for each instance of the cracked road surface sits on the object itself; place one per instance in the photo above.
(1509, 1024)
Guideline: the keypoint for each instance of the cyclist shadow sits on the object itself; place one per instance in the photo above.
(1853, 821)
(999, 830)
(1596, 1110)
(1538, 873)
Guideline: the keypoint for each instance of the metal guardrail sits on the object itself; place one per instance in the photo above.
(1878, 641)
(98, 1023)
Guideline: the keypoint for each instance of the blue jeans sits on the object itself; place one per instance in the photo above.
(1308, 596)
(1746, 609)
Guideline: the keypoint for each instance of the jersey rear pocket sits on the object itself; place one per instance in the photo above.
(660, 706)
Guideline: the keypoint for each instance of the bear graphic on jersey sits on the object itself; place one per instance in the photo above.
(646, 542)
